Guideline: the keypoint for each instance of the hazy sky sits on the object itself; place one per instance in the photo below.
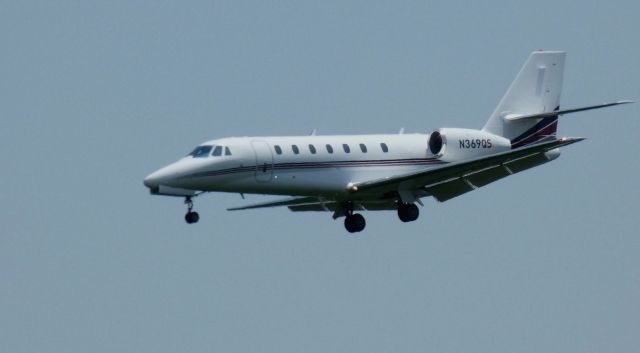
(96, 95)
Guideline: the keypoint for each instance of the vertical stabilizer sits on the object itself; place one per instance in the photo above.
(536, 89)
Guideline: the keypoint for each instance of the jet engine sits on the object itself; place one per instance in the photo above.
(452, 145)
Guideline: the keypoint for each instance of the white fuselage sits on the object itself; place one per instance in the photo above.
(347, 174)
(304, 165)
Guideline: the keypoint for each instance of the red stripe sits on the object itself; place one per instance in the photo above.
(547, 130)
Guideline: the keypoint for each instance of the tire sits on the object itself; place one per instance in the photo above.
(192, 217)
(354, 223)
(359, 222)
(408, 212)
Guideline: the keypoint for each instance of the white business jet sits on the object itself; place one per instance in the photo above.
(353, 173)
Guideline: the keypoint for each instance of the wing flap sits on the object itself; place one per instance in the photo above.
(450, 189)
(528, 162)
(487, 176)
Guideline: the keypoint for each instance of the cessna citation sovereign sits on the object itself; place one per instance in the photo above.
(349, 174)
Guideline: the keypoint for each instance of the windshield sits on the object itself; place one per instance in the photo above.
(200, 151)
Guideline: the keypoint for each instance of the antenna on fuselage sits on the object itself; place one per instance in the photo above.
(313, 132)
(401, 131)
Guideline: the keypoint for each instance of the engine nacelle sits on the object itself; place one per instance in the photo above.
(452, 145)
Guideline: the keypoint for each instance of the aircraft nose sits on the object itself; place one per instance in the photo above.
(167, 176)
(160, 176)
(152, 181)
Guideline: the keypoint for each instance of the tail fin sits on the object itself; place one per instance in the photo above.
(536, 89)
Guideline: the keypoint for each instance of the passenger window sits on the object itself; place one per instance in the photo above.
(363, 148)
(217, 152)
(227, 151)
(346, 148)
(278, 149)
(384, 147)
(312, 149)
(329, 148)
(295, 149)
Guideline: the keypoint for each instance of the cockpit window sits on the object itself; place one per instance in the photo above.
(227, 151)
(217, 152)
(200, 151)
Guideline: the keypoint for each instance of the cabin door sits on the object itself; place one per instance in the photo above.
(264, 161)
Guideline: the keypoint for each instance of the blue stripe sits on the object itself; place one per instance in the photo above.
(316, 165)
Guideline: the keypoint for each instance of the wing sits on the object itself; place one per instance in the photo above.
(455, 179)
(291, 201)
(303, 204)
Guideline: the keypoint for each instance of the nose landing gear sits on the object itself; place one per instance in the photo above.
(191, 216)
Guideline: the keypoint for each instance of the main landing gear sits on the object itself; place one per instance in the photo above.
(353, 222)
(191, 216)
(408, 212)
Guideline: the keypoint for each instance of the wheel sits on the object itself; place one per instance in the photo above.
(192, 217)
(354, 223)
(408, 212)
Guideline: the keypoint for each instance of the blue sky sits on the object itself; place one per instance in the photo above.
(96, 95)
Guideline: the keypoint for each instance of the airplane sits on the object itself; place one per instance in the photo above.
(347, 174)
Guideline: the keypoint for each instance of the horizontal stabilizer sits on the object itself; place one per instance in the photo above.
(515, 117)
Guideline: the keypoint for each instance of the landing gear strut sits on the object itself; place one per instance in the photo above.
(408, 212)
(353, 222)
(191, 216)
